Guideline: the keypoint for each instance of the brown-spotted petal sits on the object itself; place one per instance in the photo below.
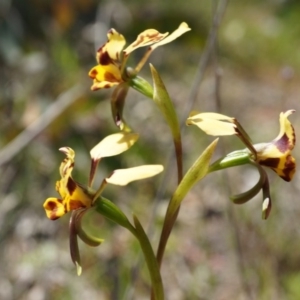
(54, 208)
(284, 164)
(67, 164)
(111, 50)
(105, 76)
(73, 194)
(107, 73)
(76, 196)
(183, 28)
(66, 167)
(277, 154)
(146, 38)
(155, 38)
(286, 138)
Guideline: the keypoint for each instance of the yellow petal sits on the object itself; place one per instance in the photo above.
(102, 85)
(286, 138)
(213, 123)
(113, 144)
(284, 164)
(65, 170)
(77, 197)
(146, 38)
(194, 115)
(286, 168)
(111, 50)
(105, 76)
(277, 154)
(155, 38)
(54, 208)
(183, 28)
(73, 194)
(67, 164)
(124, 176)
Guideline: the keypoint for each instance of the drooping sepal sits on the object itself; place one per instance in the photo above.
(117, 105)
(74, 248)
(248, 195)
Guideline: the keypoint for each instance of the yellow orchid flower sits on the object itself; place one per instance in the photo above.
(275, 154)
(78, 199)
(73, 195)
(112, 58)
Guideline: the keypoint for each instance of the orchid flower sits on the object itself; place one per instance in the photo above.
(77, 198)
(111, 69)
(275, 155)
(112, 58)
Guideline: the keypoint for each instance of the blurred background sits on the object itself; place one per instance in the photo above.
(217, 250)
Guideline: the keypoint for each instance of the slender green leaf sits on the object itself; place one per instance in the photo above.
(198, 170)
(162, 99)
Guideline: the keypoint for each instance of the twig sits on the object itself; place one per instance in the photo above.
(29, 133)
(205, 57)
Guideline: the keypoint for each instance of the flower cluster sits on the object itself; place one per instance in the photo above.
(111, 71)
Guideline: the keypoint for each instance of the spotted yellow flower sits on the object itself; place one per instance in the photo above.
(73, 195)
(76, 198)
(112, 58)
(275, 154)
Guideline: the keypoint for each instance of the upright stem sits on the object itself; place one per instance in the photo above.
(178, 152)
(112, 212)
(195, 173)
(153, 267)
(165, 234)
(170, 219)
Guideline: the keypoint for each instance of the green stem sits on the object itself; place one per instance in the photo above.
(157, 285)
(233, 159)
(109, 210)
(141, 85)
(198, 170)
(170, 219)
